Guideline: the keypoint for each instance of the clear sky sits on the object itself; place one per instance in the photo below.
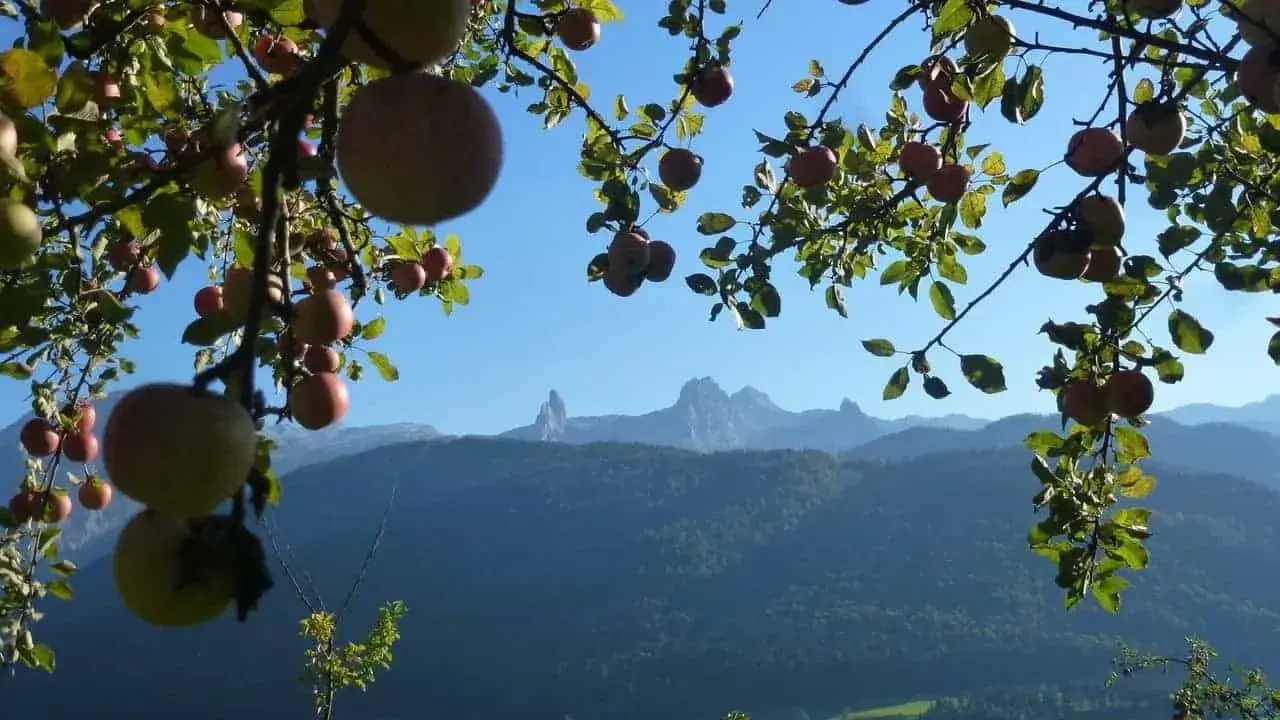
(535, 324)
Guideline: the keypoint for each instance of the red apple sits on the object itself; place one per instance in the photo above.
(437, 262)
(208, 301)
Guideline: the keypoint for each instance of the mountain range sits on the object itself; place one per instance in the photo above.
(705, 418)
(625, 581)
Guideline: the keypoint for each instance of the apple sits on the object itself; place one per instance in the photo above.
(143, 280)
(620, 283)
(39, 438)
(83, 415)
(941, 105)
(1084, 402)
(237, 293)
(57, 507)
(919, 161)
(113, 139)
(177, 450)
(1156, 129)
(20, 234)
(680, 169)
(937, 69)
(154, 23)
(437, 262)
(407, 277)
(149, 574)
(662, 260)
(277, 54)
(123, 254)
(713, 86)
(1153, 9)
(424, 33)
(1129, 393)
(175, 139)
(319, 400)
(1254, 19)
(397, 126)
(222, 173)
(628, 254)
(321, 359)
(578, 28)
(305, 150)
(1057, 255)
(106, 88)
(1104, 264)
(208, 301)
(25, 506)
(1094, 151)
(1102, 217)
(66, 14)
(205, 20)
(321, 278)
(80, 447)
(322, 318)
(1257, 76)
(991, 36)
(812, 167)
(949, 184)
(94, 494)
(8, 136)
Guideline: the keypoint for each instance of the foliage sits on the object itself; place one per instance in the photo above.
(1242, 694)
(330, 667)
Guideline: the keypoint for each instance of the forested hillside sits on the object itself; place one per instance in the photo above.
(626, 581)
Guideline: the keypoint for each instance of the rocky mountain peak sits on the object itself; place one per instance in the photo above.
(699, 391)
(552, 416)
(749, 397)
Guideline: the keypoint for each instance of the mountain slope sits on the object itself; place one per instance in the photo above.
(624, 581)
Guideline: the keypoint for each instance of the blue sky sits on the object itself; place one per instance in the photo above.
(534, 323)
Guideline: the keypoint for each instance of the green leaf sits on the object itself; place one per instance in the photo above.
(38, 656)
(935, 388)
(374, 329)
(1019, 185)
(60, 589)
(972, 207)
(983, 372)
(1137, 520)
(1107, 592)
(835, 300)
(993, 164)
(1131, 445)
(174, 217)
(1273, 348)
(1134, 483)
(16, 370)
(701, 283)
(879, 347)
(897, 384)
(1188, 334)
(386, 370)
(944, 303)
(1144, 91)
(204, 332)
(714, 223)
(28, 81)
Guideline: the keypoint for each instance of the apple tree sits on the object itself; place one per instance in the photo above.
(279, 144)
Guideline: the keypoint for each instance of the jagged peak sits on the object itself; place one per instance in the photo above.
(556, 403)
(701, 389)
(752, 396)
(851, 407)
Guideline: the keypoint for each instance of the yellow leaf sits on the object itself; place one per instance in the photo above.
(28, 80)
(605, 10)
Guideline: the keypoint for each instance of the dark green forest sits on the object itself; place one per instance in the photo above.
(629, 581)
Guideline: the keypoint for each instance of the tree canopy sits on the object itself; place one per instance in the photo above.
(309, 181)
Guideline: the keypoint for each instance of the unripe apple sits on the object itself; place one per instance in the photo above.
(20, 234)
(8, 136)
